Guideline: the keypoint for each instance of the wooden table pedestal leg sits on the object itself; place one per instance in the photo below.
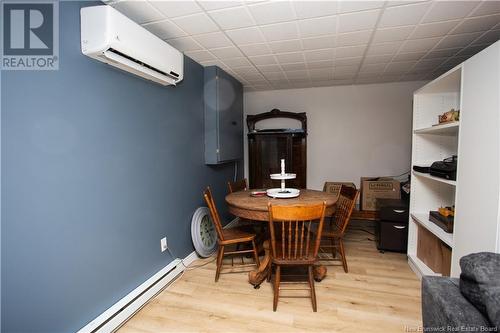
(257, 276)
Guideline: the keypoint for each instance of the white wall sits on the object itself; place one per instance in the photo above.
(353, 131)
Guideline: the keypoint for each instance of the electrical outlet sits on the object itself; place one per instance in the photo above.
(163, 244)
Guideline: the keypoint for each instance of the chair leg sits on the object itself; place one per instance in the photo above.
(313, 291)
(342, 253)
(277, 280)
(255, 254)
(220, 256)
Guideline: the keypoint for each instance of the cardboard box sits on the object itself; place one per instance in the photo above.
(334, 187)
(373, 188)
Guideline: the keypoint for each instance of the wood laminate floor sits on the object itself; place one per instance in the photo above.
(379, 294)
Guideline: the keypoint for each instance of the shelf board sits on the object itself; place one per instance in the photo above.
(441, 180)
(423, 220)
(450, 129)
(422, 268)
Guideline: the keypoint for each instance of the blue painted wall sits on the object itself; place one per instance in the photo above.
(97, 166)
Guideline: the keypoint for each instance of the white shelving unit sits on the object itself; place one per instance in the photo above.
(441, 180)
(473, 87)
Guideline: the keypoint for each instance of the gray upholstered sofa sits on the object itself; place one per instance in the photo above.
(468, 304)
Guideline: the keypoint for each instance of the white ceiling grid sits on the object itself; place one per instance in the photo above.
(294, 44)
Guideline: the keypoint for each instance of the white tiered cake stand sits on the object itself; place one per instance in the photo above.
(283, 192)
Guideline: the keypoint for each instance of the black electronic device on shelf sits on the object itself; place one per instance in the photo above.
(446, 168)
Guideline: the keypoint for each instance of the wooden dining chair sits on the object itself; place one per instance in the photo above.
(292, 244)
(334, 230)
(229, 237)
(239, 185)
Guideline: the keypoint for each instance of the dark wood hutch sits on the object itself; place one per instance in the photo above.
(266, 147)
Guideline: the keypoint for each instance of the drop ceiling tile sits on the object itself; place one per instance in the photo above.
(255, 49)
(319, 64)
(318, 26)
(384, 48)
(487, 38)
(237, 62)
(377, 58)
(419, 45)
(308, 9)
(429, 63)
(232, 18)
(413, 77)
(356, 61)
(399, 67)
(354, 38)
(294, 67)
(433, 29)
(285, 46)
(274, 75)
(184, 44)
(176, 8)
(299, 74)
(476, 24)
(319, 55)
(316, 43)
(350, 51)
(292, 57)
(403, 15)
(358, 21)
(248, 71)
(213, 40)
(200, 56)
(280, 31)
(226, 52)
(453, 41)
(392, 34)
(269, 69)
(324, 73)
(196, 24)
(487, 8)
(445, 53)
(213, 5)
(139, 12)
(244, 36)
(214, 62)
(471, 50)
(263, 60)
(449, 10)
(355, 6)
(165, 29)
(272, 12)
(344, 76)
(409, 56)
(373, 68)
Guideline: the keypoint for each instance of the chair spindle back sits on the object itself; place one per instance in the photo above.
(291, 225)
(344, 206)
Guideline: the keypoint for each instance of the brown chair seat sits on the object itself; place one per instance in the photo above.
(236, 235)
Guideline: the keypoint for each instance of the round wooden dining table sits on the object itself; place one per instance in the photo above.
(255, 208)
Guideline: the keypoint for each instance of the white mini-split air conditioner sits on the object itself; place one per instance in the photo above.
(111, 37)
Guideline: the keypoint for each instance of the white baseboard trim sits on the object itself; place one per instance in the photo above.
(121, 311)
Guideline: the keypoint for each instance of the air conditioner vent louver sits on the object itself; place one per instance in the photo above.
(173, 75)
